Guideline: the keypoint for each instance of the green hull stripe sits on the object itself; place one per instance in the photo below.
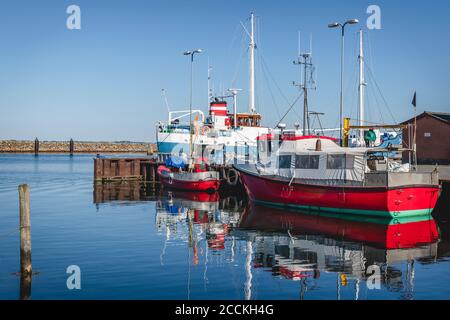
(359, 215)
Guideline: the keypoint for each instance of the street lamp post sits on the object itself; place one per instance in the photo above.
(341, 106)
(191, 53)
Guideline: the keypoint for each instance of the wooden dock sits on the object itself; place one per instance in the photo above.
(144, 170)
(125, 169)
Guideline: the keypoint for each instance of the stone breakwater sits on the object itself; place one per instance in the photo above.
(15, 146)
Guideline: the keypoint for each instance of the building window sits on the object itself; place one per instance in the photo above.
(284, 162)
(306, 162)
(340, 161)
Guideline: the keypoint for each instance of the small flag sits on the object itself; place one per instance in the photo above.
(414, 100)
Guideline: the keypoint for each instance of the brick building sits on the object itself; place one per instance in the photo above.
(433, 137)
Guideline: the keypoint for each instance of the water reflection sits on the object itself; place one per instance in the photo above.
(125, 191)
(215, 216)
(301, 246)
(296, 246)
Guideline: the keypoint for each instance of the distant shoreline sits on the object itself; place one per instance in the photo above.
(80, 147)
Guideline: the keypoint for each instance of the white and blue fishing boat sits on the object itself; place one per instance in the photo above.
(221, 135)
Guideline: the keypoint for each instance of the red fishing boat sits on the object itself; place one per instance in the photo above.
(173, 175)
(314, 173)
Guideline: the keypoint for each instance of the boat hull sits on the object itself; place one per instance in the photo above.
(402, 201)
(198, 182)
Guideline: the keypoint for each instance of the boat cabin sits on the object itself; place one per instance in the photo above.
(245, 120)
(320, 160)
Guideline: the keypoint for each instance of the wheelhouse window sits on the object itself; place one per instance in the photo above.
(340, 161)
(284, 162)
(307, 161)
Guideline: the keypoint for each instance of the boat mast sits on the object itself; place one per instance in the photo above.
(305, 98)
(305, 59)
(362, 84)
(252, 46)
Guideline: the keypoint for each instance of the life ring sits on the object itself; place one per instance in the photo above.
(232, 179)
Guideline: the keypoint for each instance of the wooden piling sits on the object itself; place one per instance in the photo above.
(71, 147)
(36, 146)
(25, 231)
(25, 286)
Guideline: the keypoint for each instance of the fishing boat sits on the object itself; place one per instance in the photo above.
(222, 134)
(315, 173)
(175, 174)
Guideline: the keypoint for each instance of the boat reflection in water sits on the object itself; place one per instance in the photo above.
(328, 256)
(298, 246)
(206, 215)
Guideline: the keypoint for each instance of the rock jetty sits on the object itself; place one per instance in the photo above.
(27, 146)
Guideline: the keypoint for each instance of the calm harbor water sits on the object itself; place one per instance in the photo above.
(133, 243)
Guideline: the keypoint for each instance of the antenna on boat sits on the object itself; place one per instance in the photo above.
(361, 86)
(163, 91)
(305, 60)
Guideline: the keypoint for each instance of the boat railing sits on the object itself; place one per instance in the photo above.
(412, 178)
(197, 176)
(178, 115)
(396, 179)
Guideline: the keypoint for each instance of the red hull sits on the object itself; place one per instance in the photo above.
(382, 233)
(201, 186)
(375, 201)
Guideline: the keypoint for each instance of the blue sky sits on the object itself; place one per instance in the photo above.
(104, 82)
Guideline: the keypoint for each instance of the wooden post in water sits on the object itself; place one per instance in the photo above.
(36, 146)
(71, 147)
(25, 243)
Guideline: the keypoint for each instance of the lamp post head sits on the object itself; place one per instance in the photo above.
(334, 25)
(186, 53)
(352, 21)
(198, 51)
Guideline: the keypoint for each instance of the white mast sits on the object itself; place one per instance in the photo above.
(234, 92)
(251, 91)
(361, 87)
